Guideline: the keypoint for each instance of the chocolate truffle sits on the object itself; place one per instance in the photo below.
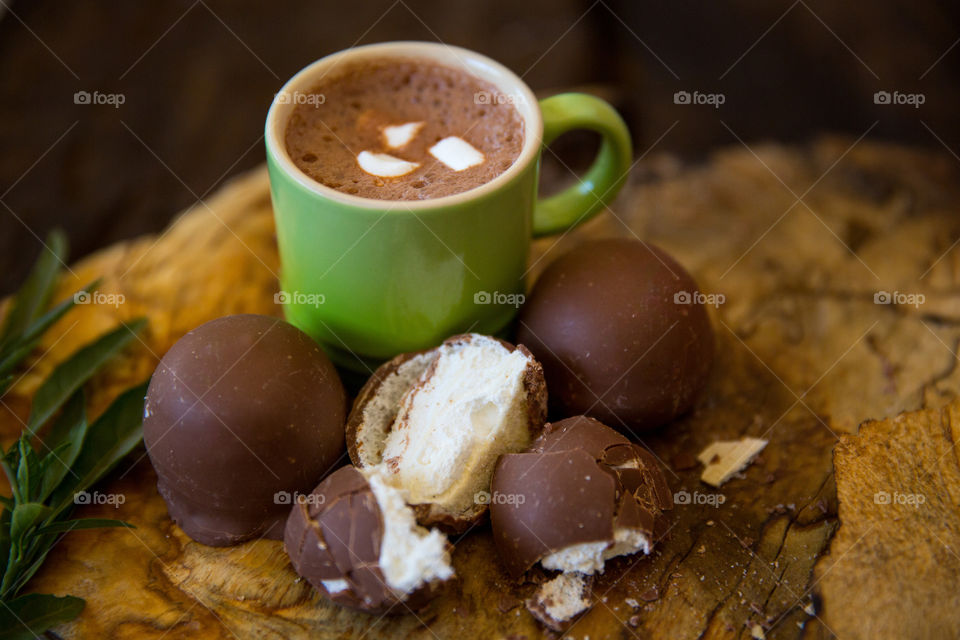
(580, 495)
(358, 543)
(241, 413)
(436, 421)
(621, 332)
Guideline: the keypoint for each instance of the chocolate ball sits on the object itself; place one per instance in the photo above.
(621, 333)
(242, 413)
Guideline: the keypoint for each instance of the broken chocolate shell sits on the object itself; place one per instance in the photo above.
(355, 541)
(241, 413)
(435, 422)
(581, 494)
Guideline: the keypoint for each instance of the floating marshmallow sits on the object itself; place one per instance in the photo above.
(384, 165)
(456, 153)
(399, 135)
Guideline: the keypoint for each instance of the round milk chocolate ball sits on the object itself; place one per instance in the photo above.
(241, 414)
(621, 333)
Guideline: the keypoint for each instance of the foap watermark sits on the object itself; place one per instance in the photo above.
(684, 497)
(697, 97)
(299, 97)
(295, 497)
(485, 497)
(907, 499)
(499, 298)
(897, 297)
(897, 98)
(698, 297)
(95, 497)
(299, 297)
(496, 97)
(95, 97)
(96, 297)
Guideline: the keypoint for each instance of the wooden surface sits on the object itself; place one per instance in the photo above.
(804, 356)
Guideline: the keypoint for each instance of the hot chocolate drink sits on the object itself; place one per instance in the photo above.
(399, 129)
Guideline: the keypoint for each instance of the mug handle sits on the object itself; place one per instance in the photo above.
(568, 111)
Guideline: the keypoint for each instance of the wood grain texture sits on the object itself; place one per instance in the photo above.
(898, 482)
(804, 356)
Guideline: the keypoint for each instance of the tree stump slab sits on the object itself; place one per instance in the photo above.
(835, 270)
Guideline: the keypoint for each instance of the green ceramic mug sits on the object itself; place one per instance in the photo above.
(372, 278)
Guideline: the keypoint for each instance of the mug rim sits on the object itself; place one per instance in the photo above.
(469, 61)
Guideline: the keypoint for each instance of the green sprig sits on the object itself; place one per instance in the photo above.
(47, 472)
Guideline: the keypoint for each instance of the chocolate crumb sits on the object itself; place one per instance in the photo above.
(650, 594)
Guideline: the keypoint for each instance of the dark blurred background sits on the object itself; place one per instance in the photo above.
(196, 78)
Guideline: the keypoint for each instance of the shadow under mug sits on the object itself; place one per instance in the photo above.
(369, 279)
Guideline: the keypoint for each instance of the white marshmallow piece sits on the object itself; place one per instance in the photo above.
(456, 153)
(398, 136)
(384, 165)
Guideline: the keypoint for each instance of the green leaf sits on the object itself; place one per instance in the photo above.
(26, 516)
(32, 297)
(24, 519)
(5, 541)
(17, 350)
(66, 526)
(111, 437)
(76, 370)
(64, 441)
(7, 464)
(44, 322)
(32, 614)
(28, 471)
(43, 545)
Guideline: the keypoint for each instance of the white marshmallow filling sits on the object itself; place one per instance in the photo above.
(335, 586)
(453, 424)
(589, 557)
(410, 555)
